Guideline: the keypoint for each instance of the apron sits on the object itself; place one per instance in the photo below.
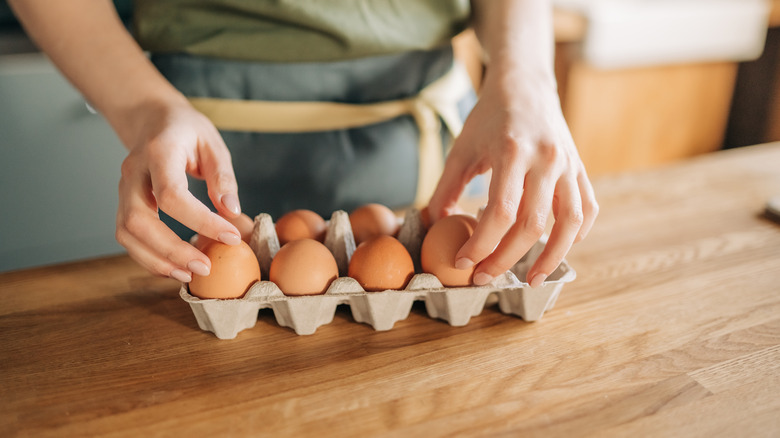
(328, 136)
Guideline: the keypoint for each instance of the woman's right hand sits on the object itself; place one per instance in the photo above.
(167, 142)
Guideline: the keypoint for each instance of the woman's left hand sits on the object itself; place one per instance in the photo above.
(517, 130)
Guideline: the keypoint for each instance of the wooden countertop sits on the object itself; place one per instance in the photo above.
(672, 328)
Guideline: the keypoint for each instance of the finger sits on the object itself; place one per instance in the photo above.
(531, 221)
(148, 240)
(590, 208)
(150, 260)
(568, 222)
(504, 194)
(453, 181)
(169, 185)
(217, 170)
(161, 243)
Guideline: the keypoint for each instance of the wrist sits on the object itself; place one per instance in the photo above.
(504, 73)
(520, 90)
(135, 121)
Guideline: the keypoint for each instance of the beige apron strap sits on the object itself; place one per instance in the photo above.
(431, 162)
(444, 94)
(279, 117)
(439, 99)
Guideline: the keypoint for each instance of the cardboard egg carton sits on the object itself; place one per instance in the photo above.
(380, 310)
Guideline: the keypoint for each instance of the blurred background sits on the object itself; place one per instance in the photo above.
(642, 83)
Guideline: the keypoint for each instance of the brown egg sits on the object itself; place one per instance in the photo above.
(300, 224)
(202, 241)
(372, 220)
(303, 267)
(234, 269)
(245, 226)
(441, 243)
(381, 263)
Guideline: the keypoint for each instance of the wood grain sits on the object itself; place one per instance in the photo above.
(672, 328)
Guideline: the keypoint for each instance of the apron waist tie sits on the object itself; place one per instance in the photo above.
(438, 100)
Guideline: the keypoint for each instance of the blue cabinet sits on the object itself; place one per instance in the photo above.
(59, 169)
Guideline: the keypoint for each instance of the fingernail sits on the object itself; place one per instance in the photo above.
(481, 279)
(229, 238)
(230, 202)
(537, 280)
(463, 263)
(198, 268)
(180, 275)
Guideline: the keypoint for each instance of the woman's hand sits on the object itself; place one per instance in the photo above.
(517, 130)
(167, 142)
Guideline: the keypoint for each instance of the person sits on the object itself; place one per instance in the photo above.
(290, 51)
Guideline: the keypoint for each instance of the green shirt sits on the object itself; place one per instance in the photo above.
(296, 30)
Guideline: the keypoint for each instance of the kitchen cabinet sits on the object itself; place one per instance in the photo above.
(648, 83)
(59, 169)
(59, 162)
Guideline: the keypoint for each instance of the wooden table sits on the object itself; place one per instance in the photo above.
(672, 328)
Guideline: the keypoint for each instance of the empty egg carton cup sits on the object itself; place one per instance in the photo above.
(380, 310)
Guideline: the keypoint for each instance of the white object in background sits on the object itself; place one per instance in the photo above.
(633, 33)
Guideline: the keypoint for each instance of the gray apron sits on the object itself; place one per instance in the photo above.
(320, 171)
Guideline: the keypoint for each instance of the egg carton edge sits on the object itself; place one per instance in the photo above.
(381, 310)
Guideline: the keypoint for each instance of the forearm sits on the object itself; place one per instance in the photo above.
(88, 43)
(517, 36)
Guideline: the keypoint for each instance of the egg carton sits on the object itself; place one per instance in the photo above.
(380, 310)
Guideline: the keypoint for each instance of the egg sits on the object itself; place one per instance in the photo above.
(303, 267)
(381, 263)
(245, 226)
(201, 242)
(234, 269)
(440, 245)
(372, 220)
(300, 224)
